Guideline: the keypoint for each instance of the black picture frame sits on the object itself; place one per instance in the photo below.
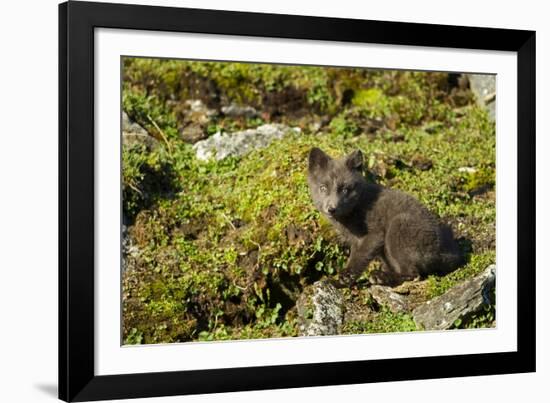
(77, 21)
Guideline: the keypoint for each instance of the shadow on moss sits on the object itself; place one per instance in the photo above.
(147, 177)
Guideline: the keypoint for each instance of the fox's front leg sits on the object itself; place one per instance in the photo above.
(354, 267)
(359, 258)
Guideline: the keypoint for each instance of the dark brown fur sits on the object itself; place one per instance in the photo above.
(379, 222)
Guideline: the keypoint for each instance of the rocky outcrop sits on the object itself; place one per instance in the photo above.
(484, 88)
(320, 310)
(457, 304)
(221, 145)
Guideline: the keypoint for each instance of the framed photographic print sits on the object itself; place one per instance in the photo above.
(258, 201)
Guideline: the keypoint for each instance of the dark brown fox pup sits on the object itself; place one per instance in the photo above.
(377, 222)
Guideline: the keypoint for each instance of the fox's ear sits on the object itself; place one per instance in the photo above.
(317, 159)
(354, 161)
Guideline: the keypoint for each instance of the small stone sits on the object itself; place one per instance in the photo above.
(320, 310)
(196, 105)
(130, 126)
(133, 139)
(193, 133)
(239, 111)
(197, 113)
(385, 296)
(468, 170)
(134, 134)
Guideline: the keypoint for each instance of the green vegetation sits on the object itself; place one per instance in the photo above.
(382, 322)
(225, 248)
(478, 262)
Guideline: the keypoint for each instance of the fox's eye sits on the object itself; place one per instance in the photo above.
(323, 188)
(345, 191)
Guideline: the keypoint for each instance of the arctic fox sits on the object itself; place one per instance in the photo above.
(378, 222)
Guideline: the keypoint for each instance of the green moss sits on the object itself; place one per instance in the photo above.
(368, 98)
(344, 127)
(239, 82)
(382, 322)
(479, 180)
(134, 337)
(151, 113)
(147, 176)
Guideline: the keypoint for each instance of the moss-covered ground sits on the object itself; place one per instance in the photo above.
(225, 248)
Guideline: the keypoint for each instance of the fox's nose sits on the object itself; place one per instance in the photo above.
(331, 210)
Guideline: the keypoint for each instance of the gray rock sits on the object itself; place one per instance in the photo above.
(130, 126)
(221, 145)
(196, 105)
(239, 111)
(484, 88)
(320, 310)
(134, 134)
(385, 296)
(460, 302)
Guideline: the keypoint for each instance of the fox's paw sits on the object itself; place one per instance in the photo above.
(343, 281)
(380, 277)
